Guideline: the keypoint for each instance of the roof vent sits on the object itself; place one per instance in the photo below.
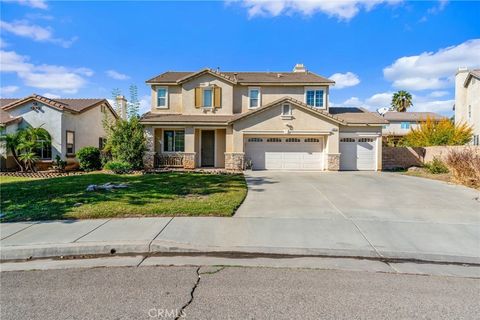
(299, 67)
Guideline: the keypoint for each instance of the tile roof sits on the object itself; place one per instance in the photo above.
(412, 116)
(71, 104)
(186, 118)
(6, 118)
(355, 115)
(175, 77)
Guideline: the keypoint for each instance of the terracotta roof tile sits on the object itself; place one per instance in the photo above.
(6, 118)
(355, 115)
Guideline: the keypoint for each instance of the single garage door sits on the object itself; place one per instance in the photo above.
(280, 153)
(357, 153)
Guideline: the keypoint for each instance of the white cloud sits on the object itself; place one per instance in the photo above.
(439, 106)
(353, 102)
(145, 102)
(433, 70)
(44, 76)
(51, 95)
(344, 80)
(37, 4)
(23, 28)
(8, 90)
(379, 100)
(438, 94)
(341, 9)
(116, 75)
(3, 43)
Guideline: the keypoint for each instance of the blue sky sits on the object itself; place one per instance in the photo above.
(371, 48)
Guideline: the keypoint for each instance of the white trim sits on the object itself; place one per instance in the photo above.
(259, 97)
(359, 134)
(324, 89)
(282, 132)
(163, 136)
(166, 98)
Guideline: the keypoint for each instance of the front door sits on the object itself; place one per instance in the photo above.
(208, 148)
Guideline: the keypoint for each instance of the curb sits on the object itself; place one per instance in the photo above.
(10, 253)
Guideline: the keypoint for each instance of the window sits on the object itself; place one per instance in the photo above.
(385, 126)
(45, 151)
(469, 112)
(103, 108)
(162, 98)
(286, 110)
(101, 143)
(405, 125)
(174, 141)
(274, 140)
(312, 140)
(70, 142)
(314, 98)
(208, 97)
(347, 140)
(476, 140)
(366, 140)
(292, 140)
(254, 97)
(255, 140)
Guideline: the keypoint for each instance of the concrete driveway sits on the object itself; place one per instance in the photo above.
(370, 196)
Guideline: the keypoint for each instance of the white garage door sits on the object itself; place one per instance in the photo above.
(280, 153)
(357, 153)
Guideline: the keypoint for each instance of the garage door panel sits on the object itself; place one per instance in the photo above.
(292, 155)
(357, 153)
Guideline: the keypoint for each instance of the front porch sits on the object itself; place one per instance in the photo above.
(190, 148)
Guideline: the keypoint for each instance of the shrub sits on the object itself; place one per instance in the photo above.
(438, 133)
(126, 141)
(436, 166)
(59, 164)
(465, 166)
(118, 167)
(89, 158)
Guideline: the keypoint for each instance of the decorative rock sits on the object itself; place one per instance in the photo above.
(78, 204)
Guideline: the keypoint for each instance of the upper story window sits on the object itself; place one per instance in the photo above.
(162, 97)
(207, 97)
(253, 97)
(405, 125)
(286, 110)
(315, 97)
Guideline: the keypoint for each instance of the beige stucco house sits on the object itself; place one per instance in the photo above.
(263, 120)
(71, 123)
(467, 100)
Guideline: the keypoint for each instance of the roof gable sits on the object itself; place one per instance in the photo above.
(73, 105)
(299, 104)
(210, 72)
(472, 74)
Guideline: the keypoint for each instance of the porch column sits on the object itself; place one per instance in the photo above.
(149, 154)
(189, 154)
(332, 150)
(234, 155)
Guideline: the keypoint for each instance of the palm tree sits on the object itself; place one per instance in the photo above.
(30, 140)
(401, 101)
(11, 142)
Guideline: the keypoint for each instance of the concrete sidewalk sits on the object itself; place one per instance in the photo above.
(442, 242)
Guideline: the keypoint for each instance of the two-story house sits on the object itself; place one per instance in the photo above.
(401, 123)
(467, 100)
(263, 120)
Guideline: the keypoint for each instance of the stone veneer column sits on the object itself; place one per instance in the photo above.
(149, 154)
(189, 160)
(234, 161)
(333, 162)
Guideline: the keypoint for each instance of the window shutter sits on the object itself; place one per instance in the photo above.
(217, 97)
(198, 97)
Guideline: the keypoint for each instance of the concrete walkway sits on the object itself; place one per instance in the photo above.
(331, 227)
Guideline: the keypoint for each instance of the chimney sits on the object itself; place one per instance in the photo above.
(121, 106)
(299, 67)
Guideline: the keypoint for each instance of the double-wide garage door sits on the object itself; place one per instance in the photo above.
(358, 153)
(285, 153)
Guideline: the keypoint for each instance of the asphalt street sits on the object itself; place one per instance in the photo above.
(233, 293)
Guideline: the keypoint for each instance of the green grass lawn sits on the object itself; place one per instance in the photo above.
(166, 194)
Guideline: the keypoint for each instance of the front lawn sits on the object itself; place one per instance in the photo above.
(166, 194)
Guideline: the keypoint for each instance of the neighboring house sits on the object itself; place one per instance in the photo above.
(71, 123)
(272, 120)
(401, 123)
(467, 100)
